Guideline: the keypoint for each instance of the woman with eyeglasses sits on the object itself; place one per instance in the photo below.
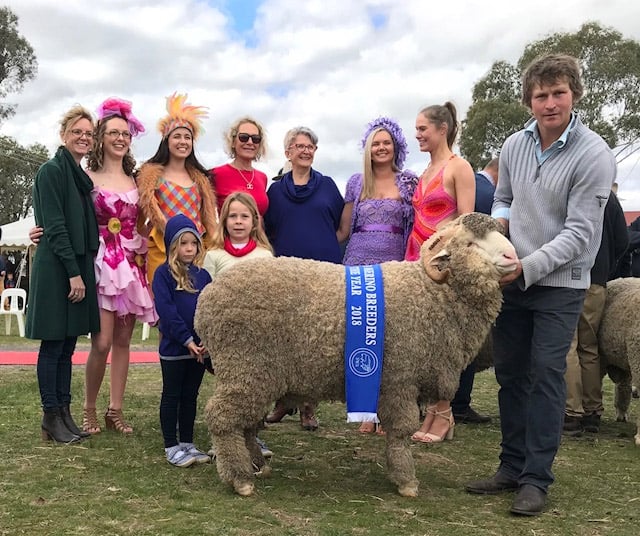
(302, 221)
(62, 301)
(123, 292)
(245, 143)
(173, 182)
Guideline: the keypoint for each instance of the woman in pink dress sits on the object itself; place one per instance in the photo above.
(446, 189)
(123, 293)
(245, 143)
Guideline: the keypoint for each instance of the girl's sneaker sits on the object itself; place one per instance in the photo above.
(179, 457)
(266, 451)
(198, 455)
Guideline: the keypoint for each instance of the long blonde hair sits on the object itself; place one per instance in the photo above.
(257, 233)
(178, 269)
(368, 184)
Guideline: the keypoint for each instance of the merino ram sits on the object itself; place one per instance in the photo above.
(619, 343)
(276, 329)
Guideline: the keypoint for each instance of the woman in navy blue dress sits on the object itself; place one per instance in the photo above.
(303, 221)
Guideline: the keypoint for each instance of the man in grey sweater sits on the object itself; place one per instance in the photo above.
(555, 178)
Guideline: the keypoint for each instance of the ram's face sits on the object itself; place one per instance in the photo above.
(474, 237)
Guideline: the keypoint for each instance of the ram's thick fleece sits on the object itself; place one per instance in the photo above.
(619, 342)
(275, 328)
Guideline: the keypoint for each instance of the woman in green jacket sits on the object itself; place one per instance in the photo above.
(62, 300)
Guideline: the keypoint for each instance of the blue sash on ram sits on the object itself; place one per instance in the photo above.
(364, 341)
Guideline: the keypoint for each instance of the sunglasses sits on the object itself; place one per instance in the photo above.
(255, 138)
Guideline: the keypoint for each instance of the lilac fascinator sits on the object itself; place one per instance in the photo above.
(114, 106)
(399, 142)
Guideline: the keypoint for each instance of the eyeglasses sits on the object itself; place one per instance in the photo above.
(79, 133)
(244, 137)
(302, 147)
(115, 134)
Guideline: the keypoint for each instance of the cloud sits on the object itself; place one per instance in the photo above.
(332, 65)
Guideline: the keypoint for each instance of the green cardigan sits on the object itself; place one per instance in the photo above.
(63, 206)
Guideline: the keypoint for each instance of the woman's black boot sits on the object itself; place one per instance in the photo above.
(54, 429)
(65, 413)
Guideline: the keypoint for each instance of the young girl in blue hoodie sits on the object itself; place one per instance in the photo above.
(176, 286)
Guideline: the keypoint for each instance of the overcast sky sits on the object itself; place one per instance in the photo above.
(332, 65)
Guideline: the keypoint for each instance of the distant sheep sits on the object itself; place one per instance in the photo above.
(276, 327)
(619, 343)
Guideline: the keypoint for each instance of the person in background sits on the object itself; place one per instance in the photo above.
(176, 286)
(239, 238)
(9, 282)
(446, 190)
(634, 246)
(378, 214)
(3, 267)
(584, 407)
(245, 143)
(62, 301)
(123, 292)
(173, 182)
(555, 178)
(302, 221)
(463, 413)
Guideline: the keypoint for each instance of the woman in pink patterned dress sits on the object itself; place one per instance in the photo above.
(123, 293)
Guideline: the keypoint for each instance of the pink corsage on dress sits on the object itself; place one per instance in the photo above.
(122, 256)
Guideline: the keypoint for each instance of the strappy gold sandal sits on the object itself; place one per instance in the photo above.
(114, 420)
(90, 421)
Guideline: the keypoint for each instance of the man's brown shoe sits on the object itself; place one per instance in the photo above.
(529, 501)
(498, 483)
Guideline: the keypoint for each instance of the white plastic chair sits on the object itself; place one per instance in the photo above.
(17, 298)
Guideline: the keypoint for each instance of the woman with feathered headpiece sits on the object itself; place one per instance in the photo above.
(173, 181)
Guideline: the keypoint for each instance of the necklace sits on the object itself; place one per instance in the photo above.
(249, 182)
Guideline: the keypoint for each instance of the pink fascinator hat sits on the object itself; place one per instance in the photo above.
(115, 107)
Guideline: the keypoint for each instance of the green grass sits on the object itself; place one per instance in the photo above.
(13, 341)
(327, 483)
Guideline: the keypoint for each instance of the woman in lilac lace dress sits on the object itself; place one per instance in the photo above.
(378, 203)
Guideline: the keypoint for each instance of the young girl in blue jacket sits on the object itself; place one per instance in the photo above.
(176, 286)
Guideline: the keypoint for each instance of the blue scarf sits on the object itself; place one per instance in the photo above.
(364, 341)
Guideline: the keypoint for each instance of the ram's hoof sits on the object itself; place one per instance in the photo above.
(265, 472)
(245, 489)
(408, 491)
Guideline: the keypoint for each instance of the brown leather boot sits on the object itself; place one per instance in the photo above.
(278, 413)
(308, 420)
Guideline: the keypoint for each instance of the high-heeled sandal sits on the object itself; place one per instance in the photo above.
(428, 437)
(114, 420)
(90, 421)
(424, 413)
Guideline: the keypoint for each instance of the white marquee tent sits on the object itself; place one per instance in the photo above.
(16, 235)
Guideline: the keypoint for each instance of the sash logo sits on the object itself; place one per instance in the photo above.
(363, 362)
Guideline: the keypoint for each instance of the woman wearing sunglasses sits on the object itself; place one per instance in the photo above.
(245, 143)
